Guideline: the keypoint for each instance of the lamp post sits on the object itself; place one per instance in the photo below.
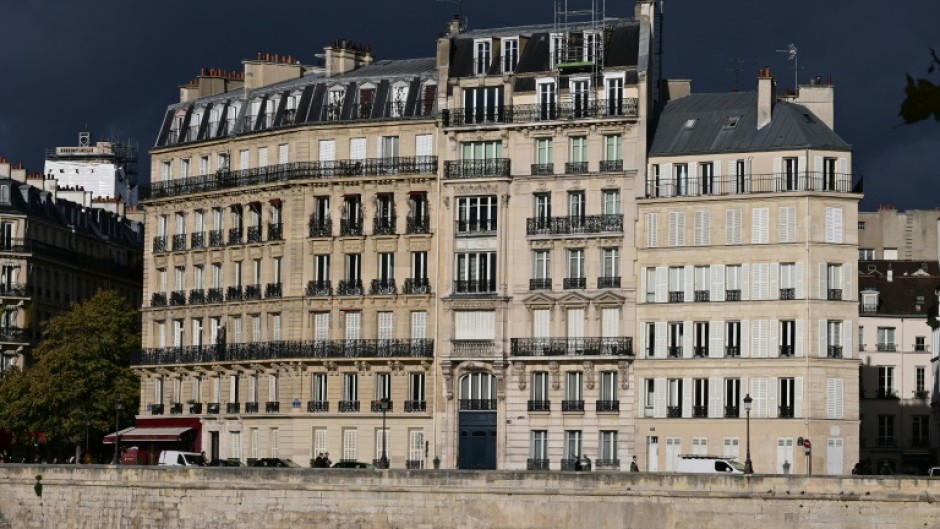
(748, 467)
(117, 430)
(383, 463)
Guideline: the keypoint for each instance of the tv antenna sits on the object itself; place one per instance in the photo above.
(792, 55)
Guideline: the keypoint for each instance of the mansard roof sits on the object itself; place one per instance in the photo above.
(909, 292)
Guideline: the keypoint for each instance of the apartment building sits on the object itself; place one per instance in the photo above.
(56, 248)
(891, 235)
(746, 252)
(289, 307)
(897, 376)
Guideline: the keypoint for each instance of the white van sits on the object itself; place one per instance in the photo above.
(691, 464)
(174, 458)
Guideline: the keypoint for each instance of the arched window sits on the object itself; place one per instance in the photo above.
(477, 391)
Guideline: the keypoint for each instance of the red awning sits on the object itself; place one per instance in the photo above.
(135, 434)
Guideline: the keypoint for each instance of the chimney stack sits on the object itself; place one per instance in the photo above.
(766, 97)
(345, 56)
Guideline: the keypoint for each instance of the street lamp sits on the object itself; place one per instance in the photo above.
(748, 467)
(383, 463)
(117, 430)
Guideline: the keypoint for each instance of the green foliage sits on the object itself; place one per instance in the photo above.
(923, 96)
(79, 368)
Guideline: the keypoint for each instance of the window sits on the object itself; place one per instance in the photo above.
(608, 386)
(544, 156)
(383, 386)
(676, 291)
(834, 339)
(733, 338)
(732, 398)
(786, 398)
(787, 277)
(788, 180)
(538, 450)
(576, 209)
(673, 397)
(886, 339)
(539, 391)
(920, 343)
(787, 337)
(510, 48)
(335, 100)
(416, 395)
(475, 272)
(653, 184)
(318, 388)
(353, 268)
(613, 151)
(833, 282)
(574, 391)
(681, 179)
(483, 56)
(920, 430)
(573, 444)
(483, 105)
(399, 99)
(476, 214)
(706, 178)
(547, 100)
(578, 152)
(608, 455)
(610, 262)
(886, 382)
(700, 344)
(576, 264)
(701, 285)
(614, 87)
(733, 226)
(886, 430)
(866, 254)
(542, 265)
(610, 201)
(675, 339)
(650, 278)
(700, 397)
(350, 387)
(580, 90)
(386, 271)
(650, 397)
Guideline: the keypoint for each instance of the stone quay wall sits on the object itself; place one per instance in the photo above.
(95, 497)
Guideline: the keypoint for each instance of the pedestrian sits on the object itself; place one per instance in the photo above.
(205, 460)
(585, 463)
(578, 467)
(326, 460)
(634, 467)
(318, 462)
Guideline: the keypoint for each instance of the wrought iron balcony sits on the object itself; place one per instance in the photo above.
(462, 169)
(787, 293)
(674, 351)
(921, 394)
(251, 407)
(418, 224)
(785, 412)
(416, 406)
(350, 287)
(556, 111)
(213, 408)
(177, 297)
(318, 406)
(475, 227)
(611, 166)
(577, 225)
(350, 227)
(699, 351)
(234, 294)
(377, 406)
(273, 290)
(159, 244)
(176, 408)
(574, 283)
(275, 231)
(252, 292)
(834, 294)
(607, 405)
(732, 295)
(472, 348)
(572, 405)
(179, 242)
(321, 227)
(272, 407)
(197, 241)
(622, 346)
(537, 464)
(834, 351)
(414, 464)
(384, 225)
(254, 234)
(477, 404)
(195, 408)
(753, 183)
(610, 464)
(319, 288)
(383, 287)
(158, 299)
(416, 286)
(569, 464)
(348, 406)
(156, 409)
(476, 286)
(701, 295)
(786, 350)
(540, 284)
(732, 351)
(732, 412)
(214, 295)
(608, 282)
(216, 239)
(576, 167)
(673, 412)
(886, 347)
(18, 290)
(699, 412)
(676, 297)
(540, 405)
(543, 169)
(235, 236)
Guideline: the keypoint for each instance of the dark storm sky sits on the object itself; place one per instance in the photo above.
(115, 65)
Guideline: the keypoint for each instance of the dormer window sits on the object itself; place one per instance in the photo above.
(177, 130)
(483, 56)
(4, 194)
(194, 122)
(215, 116)
(399, 99)
(269, 111)
(334, 106)
(592, 46)
(556, 48)
(366, 101)
(870, 301)
(290, 110)
(254, 108)
(510, 60)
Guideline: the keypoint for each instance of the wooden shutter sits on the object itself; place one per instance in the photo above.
(610, 323)
(688, 331)
(541, 323)
(716, 339)
(660, 347)
(798, 398)
(745, 344)
(662, 284)
(717, 282)
(686, 398)
(800, 338)
(715, 402)
(847, 339)
(798, 280)
(847, 294)
(688, 274)
(659, 395)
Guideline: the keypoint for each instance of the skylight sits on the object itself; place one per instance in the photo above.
(732, 121)
(690, 124)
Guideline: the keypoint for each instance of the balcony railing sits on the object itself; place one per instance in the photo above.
(214, 295)
(158, 299)
(610, 464)
(537, 464)
(350, 287)
(787, 350)
(732, 412)
(177, 298)
(476, 286)
(699, 412)
(235, 236)
(461, 169)
(197, 241)
(416, 286)
(569, 464)
(921, 394)
(351, 227)
(574, 283)
(611, 166)
(195, 408)
(14, 290)
(318, 406)
(699, 351)
(889, 347)
(834, 351)
(416, 406)
(607, 405)
(252, 292)
(384, 225)
(834, 294)
(234, 294)
(540, 284)
(540, 405)
(233, 407)
(321, 227)
(543, 169)
(272, 407)
(787, 293)
(251, 407)
(676, 297)
(159, 244)
(673, 412)
(622, 346)
(377, 406)
(414, 464)
(475, 227)
(176, 408)
(701, 295)
(477, 404)
(574, 225)
(216, 239)
(417, 225)
(156, 409)
(383, 287)
(887, 442)
(752, 183)
(674, 351)
(887, 394)
(732, 351)
(254, 234)
(273, 290)
(179, 242)
(472, 348)
(558, 111)
(732, 295)
(608, 282)
(213, 408)
(785, 411)
(228, 179)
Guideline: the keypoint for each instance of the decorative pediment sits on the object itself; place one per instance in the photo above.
(610, 299)
(539, 299)
(574, 299)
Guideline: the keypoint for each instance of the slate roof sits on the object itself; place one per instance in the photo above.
(791, 126)
(909, 293)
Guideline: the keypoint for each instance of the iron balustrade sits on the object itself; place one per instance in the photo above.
(732, 351)
(254, 234)
(179, 242)
(213, 408)
(787, 293)
(543, 169)
(673, 412)
(732, 412)
(416, 285)
(674, 351)
(159, 244)
(574, 283)
(785, 411)
(886, 347)
(275, 231)
(318, 406)
(786, 350)
(701, 295)
(475, 286)
(461, 169)
(540, 405)
(556, 111)
(10, 244)
(577, 225)
(216, 239)
(177, 298)
(536, 464)
(607, 405)
(414, 464)
(593, 346)
(416, 406)
(214, 295)
(348, 406)
(607, 463)
(699, 351)
(158, 299)
(319, 288)
(540, 284)
(273, 290)
(235, 236)
(608, 282)
(377, 406)
(234, 294)
(384, 225)
(252, 292)
(233, 407)
(197, 241)
(350, 227)
(576, 167)
(569, 464)
(732, 295)
(834, 294)
(229, 179)
(472, 348)
(272, 407)
(321, 226)
(667, 187)
(477, 404)
(195, 408)
(611, 166)
(475, 227)
(921, 394)
(14, 290)
(156, 409)
(251, 407)
(699, 412)
(834, 351)
(176, 408)
(350, 287)
(676, 297)
(383, 287)
(420, 224)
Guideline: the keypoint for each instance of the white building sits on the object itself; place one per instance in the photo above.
(107, 169)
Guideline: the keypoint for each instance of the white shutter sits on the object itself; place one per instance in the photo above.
(758, 349)
(673, 228)
(716, 339)
(686, 398)
(419, 325)
(689, 283)
(702, 228)
(283, 154)
(357, 149)
(715, 403)
(659, 398)
(818, 174)
(350, 445)
(778, 169)
(641, 297)
(319, 440)
(474, 325)
(692, 189)
(660, 345)
(831, 411)
(327, 150)
(745, 282)
(665, 172)
(243, 159)
(847, 294)
(687, 332)
(381, 439)
(272, 387)
(759, 396)
(798, 398)
(386, 325)
(232, 394)
(680, 227)
(822, 339)
(262, 156)
(774, 284)
(380, 147)
(847, 339)
(652, 230)
(838, 227)
(759, 288)
(845, 178)
(717, 282)
(745, 336)
(773, 390)
(662, 284)
(353, 325)
(610, 323)
(424, 145)
(799, 338)
(575, 323)
(799, 280)
(716, 183)
(729, 226)
(823, 281)
(773, 346)
(321, 326)
(541, 323)
(839, 398)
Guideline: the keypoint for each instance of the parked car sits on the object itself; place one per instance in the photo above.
(274, 462)
(693, 464)
(225, 463)
(352, 464)
(933, 472)
(175, 458)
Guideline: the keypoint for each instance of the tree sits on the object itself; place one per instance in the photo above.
(80, 367)
(923, 96)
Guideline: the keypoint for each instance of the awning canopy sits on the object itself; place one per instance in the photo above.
(134, 434)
